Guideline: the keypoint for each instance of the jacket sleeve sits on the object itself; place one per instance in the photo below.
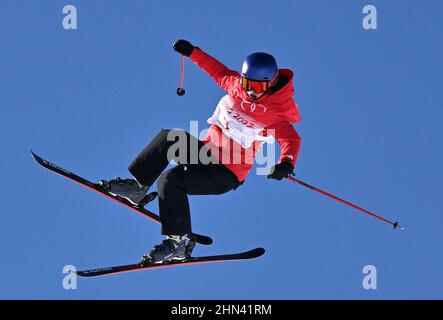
(221, 74)
(288, 139)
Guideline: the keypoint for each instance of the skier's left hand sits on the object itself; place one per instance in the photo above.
(281, 170)
(184, 47)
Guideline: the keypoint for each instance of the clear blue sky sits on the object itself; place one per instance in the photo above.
(90, 99)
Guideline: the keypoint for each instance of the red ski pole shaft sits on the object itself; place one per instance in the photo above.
(180, 90)
(394, 224)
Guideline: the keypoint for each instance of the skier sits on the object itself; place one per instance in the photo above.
(258, 108)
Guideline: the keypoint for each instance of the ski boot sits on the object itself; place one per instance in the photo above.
(129, 189)
(174, 248)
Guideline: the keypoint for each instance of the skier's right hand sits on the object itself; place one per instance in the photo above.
(184, 47)
(281, 170)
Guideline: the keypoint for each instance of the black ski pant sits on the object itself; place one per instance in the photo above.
(192, 176)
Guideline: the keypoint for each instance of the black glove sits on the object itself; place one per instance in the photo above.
(184, 47)
(281, 170)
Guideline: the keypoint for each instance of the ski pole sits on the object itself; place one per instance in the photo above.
(180, 90)
(394, 224)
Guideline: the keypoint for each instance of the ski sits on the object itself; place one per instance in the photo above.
(254, 253)
(95, 187)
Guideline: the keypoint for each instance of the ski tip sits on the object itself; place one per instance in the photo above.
(91, 273)
(257, 252)
(34, 155)
(82, 274)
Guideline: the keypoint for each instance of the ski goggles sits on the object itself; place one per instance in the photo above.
(257, 86)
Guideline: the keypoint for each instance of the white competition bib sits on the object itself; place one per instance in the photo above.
(236, 124)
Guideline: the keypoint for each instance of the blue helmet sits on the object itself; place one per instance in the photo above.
(259, 66)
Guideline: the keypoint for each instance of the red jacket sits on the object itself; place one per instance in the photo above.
(274, 111)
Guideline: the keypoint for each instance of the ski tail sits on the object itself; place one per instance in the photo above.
(251, 254)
